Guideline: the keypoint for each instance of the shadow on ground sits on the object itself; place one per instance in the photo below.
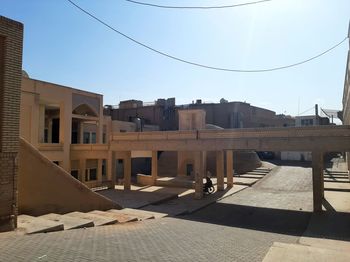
(327, 224)
(256, 218)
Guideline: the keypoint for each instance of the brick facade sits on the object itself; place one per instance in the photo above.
(11, 41)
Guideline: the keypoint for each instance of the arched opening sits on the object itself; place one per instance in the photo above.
(84, 110)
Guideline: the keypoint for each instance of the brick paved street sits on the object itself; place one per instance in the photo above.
(224, 231)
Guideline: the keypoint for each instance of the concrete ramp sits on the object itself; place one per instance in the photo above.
(32, 225)
(140, 214)
(122, 218)
(44, 187)
(69, 222)
(97, 219)
(296, 253)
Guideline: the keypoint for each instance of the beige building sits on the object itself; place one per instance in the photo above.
(62, 122)
(346, 98)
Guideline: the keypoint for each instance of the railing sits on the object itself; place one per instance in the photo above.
(89, 147)
(312, 131)
(50, 147)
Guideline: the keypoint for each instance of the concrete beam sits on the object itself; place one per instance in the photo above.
(229, 168)
(317, 180)
(220, 170)
(268, 143)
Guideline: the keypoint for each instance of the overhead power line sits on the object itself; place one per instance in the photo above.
(196, 7)
(307, 110)
(203, 65)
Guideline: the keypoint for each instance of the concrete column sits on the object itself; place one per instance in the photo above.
(82, 168)
(154, 166)
(127, 171)
(41, 123)
(35, 137)
(199, 160)
(99, 131)
(348, 162)
(66, 132)
(229, 168)
(109, 167)
(317, 180)
(113, 168)
(49, 139)
(81, 132)
(99, 171)
(220, 170)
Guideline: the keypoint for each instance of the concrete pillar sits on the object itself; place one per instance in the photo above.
(109, 167)
(113, 168)
(35, 137)
(66, 132)
(199, 161)
(348, 162)
(229, 168)
(154, 166)
(127, 171)
(99, 131)
(81, 132)
(99, 171)
(220, 170)
(41, 123)
(82, 168)
(317, 180)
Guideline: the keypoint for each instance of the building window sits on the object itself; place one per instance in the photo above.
(46, 135)
(90, 174)
(104, 138)
(89, 138)
(307, 122)
(93, 138)
(86, 138)
(104, 164)
(75, 174)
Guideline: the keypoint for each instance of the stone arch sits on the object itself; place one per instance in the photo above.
(85, 110)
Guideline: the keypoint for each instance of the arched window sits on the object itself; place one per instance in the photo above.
(84, 110)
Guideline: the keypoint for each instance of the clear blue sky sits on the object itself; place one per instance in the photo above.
(64, 46)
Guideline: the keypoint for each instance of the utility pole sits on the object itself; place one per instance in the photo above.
(316, 115)
(349, 33)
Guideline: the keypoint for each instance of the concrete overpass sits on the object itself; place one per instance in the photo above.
(317, 139)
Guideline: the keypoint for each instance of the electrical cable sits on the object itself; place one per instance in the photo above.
(306, 110)
(195, 7)
(203, 65)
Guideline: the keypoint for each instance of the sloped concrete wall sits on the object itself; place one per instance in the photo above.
(44, 187)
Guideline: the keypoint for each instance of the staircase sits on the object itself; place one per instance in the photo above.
(54, 222)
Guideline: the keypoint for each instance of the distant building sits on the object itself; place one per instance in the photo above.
(164, 113)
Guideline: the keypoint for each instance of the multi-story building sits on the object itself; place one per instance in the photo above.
(164, 113)
(346, 99)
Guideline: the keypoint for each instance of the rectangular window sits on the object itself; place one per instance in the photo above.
(46, 135)
(104, 164)
(93, 138)
(104, 138)
(90, 174)
(75, 174)
(93, 174)
(86, 138)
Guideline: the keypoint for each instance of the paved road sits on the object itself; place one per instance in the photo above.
(224, 231)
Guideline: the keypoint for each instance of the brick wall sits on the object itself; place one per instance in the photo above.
(11, 40)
